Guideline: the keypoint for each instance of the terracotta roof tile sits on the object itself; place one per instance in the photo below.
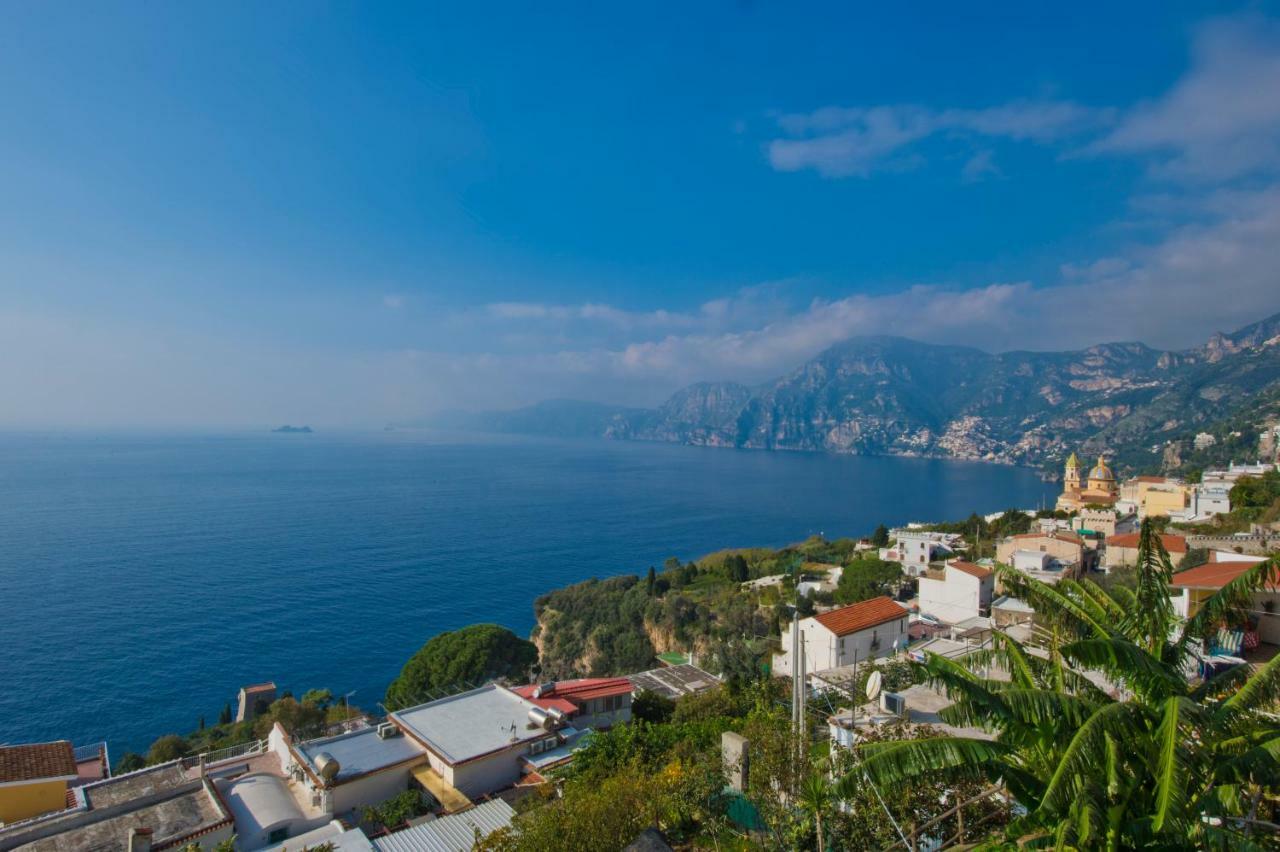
(36, 761)
(582, 689)
(970, 568)
(861, 616)
(1212, 575)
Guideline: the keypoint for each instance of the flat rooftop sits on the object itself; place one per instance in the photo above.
(674, 681)
(470, 724)
(360, 752)
(163, 800)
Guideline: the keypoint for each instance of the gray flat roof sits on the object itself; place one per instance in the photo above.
(360, 752)
(674, 681)
(470, 724)
(161, 798)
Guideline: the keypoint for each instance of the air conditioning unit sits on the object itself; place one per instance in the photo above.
(387, 730)
(892, 702)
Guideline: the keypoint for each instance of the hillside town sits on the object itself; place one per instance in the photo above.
(470, 758)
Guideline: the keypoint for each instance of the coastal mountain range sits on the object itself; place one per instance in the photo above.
(892, 395)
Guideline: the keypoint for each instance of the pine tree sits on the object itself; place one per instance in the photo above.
(224, 718)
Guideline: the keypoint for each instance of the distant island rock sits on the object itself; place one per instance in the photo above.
(294, 430)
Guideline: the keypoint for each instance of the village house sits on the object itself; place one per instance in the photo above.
(1152, 496)
(1203, 502)
(341, 774)
(485, 740)
(861, 631)
(1068, 550)
(1193, 586)
(915, 549)
(957, 591)
(34, 779)
(159, 807)
(1122, 550)
(594, 702)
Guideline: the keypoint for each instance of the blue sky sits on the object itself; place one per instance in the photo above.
(240, 214)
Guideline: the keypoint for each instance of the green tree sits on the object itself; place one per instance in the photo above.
(880, 538)
(473, 654)
(167, 748)
(130, 762)
(224, 718)
(738, 570)
(397, 810)
(865, 579)
(649, 706)
(321, 698)
(299, 718)
(650, 581)
(1157, 761)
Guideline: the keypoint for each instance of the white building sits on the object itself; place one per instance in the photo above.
(1203, 441)
(861, 631)
(1204, 502)
(482, 741)
(958, 591)
(1228, 476)
(915, 549)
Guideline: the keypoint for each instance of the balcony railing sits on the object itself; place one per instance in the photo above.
(229, 753)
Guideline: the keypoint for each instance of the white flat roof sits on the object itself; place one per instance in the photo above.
(471, 724)
(360, 752)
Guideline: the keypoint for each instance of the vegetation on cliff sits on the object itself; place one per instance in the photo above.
(456, 658)
(616, 626)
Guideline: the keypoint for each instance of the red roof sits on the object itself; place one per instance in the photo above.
(971, 569)
(1212, 575)
(1172, 543)
(568, 695)
(37, 761)
(861, 616)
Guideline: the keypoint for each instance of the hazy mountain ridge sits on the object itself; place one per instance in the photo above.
(898, 396)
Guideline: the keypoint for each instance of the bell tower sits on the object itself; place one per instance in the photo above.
(1071, 478)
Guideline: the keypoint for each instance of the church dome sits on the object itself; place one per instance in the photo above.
(1101, 472)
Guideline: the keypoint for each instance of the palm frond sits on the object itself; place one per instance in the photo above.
(1175, 762)
(1050, 603)
(1083, 754)
(1126, 663)
(1261, 689)
(1149, 621)
(892, 762)
(1232, 601)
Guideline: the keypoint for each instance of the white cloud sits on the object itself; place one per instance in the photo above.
(857, 141)
(1221, 120)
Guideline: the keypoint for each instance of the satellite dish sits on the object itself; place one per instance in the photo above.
(873, 686)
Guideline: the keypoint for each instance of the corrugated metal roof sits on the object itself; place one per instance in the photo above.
(454, 833)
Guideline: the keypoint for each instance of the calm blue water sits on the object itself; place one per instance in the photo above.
(144, 579)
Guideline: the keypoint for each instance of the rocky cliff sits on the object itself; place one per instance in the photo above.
(888, 395)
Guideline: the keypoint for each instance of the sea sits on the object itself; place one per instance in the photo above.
(144, 578)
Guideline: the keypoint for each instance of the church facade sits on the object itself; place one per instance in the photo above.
(1098, 489)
